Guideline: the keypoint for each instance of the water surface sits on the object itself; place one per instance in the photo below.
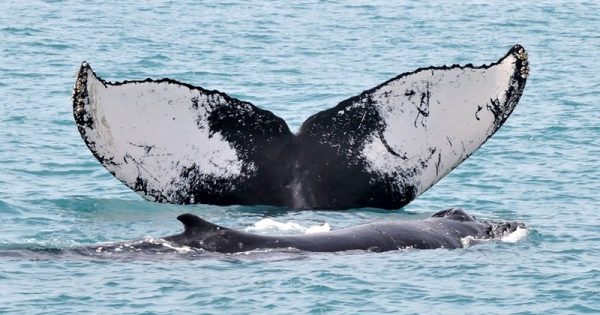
(295, 59)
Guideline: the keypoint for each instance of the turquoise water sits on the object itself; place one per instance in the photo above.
(541, 168)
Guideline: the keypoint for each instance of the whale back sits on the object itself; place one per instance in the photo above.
(445, 229)
(457, 214)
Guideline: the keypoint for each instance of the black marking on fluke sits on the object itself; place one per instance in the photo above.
(381, 148)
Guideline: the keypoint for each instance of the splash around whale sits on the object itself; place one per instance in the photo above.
(450, 229)
(176, 143)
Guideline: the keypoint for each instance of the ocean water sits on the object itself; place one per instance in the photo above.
(295, 59)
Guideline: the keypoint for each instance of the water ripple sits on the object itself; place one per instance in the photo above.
(296, 59)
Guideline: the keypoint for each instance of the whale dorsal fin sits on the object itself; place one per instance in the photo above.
(193, 222)
(454, 214)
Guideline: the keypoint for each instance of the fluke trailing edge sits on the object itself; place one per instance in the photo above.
(449, 229)
(176, 143)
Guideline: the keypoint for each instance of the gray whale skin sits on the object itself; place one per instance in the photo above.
(445, 229)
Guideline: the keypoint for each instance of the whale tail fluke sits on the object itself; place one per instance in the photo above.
(176, 143)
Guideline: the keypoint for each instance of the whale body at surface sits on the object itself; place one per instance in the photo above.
(445, 229)
(177, 143)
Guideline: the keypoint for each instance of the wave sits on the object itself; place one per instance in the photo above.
(269, 226)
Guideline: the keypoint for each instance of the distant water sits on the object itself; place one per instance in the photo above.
(541, 168)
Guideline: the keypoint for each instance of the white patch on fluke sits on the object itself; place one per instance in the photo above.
(153, 131)
(448, 112)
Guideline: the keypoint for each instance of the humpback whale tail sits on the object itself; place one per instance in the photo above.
(177, 143)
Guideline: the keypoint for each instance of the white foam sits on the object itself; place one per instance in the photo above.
(515, 236)
(512, 237)
(270, 225)
(179, 249)
(318, 228)
(470, 240)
